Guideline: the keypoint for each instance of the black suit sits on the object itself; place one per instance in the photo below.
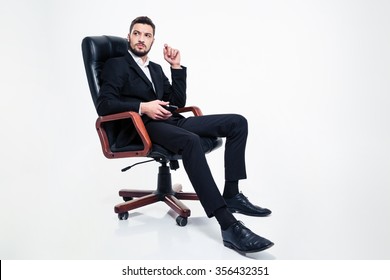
(125, 86)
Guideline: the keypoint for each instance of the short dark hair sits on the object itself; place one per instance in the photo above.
(143, 20)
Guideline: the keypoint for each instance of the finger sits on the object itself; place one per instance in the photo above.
(167, 48)
(164, 112)
(172, 52)
(169, 52)
(162, 103)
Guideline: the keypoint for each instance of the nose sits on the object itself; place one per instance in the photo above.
(141, 38)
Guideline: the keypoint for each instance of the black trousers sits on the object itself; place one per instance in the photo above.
(182, 135)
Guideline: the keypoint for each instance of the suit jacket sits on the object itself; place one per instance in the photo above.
(124, 86)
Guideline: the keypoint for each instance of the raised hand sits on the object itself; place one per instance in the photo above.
(172, 56)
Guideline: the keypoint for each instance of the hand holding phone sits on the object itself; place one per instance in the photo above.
(170, 108)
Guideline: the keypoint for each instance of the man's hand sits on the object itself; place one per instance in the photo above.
(172, 56)
(154, 110)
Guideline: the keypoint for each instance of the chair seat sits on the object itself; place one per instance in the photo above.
(208, 144)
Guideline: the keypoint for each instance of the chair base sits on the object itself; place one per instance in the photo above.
(164, 192)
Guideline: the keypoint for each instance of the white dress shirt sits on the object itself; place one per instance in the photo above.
(144, 66)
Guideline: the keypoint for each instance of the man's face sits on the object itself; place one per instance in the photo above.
(141, 39)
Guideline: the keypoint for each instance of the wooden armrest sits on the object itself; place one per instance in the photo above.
(139, 126)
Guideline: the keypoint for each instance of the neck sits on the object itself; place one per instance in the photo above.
(144, 57)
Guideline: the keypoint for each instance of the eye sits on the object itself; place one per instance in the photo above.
(149, 35)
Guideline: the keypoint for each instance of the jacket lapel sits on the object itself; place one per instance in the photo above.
(138, 70)
(156, 78)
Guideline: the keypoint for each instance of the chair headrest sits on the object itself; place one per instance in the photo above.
(96, 51)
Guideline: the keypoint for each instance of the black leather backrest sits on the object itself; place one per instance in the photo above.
(96, 51)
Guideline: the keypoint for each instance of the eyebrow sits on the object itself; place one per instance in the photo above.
(146, 33)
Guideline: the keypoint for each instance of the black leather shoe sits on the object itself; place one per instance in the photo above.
(241, 204)
(243, 240)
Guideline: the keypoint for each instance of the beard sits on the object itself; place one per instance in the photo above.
(138, 53)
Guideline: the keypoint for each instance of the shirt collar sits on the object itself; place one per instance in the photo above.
(139, 60)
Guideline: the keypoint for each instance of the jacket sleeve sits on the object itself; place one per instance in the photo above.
(176, 93)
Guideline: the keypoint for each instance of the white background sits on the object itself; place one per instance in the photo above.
(312, 78)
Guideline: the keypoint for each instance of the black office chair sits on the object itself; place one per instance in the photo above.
(96, 51)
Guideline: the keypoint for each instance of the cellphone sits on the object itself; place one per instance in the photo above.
(170, 108)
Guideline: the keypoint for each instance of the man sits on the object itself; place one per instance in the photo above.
(134, 83)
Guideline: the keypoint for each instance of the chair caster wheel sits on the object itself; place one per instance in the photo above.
(123, 216)
(127, 198)
(181, 221)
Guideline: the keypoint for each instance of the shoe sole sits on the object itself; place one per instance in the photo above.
(248, 214)
(231, 246)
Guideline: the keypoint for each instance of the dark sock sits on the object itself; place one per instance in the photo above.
(231, 189)
(224, 217)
